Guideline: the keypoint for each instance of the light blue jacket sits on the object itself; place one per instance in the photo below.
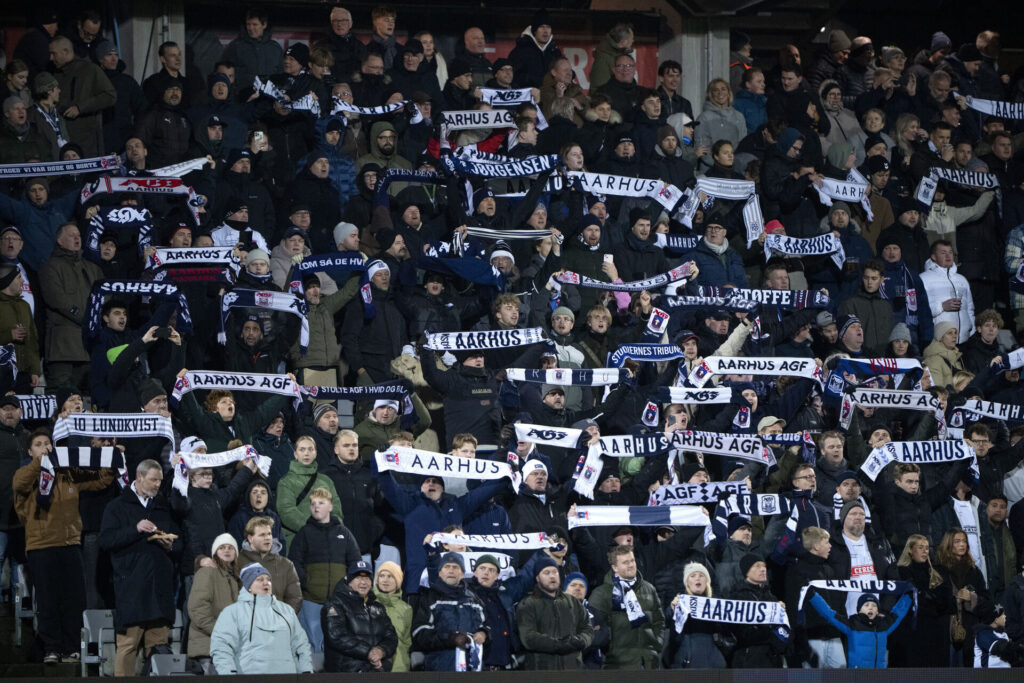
(259, 635)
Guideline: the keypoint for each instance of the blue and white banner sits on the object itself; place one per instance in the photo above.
(780, 366)
(811, 246)
(782, 298)
(37, 407)
(561, 437)
(569, 378)
(721, 188)
(644, 353)
(742, 446)
(477, 118)
(690, 396)
(919, 453)
(695, 494)
(726, 611)
(283, 302)
(483, 340)
(729, 303)
(682, 272)
(188, 256)
(208, 380)
(136, 288)
(74, 166)
(119, 425)
(639, 515)
(340, 107)
(515, 168)
(429, 464)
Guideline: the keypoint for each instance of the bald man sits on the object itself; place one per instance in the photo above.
(85, 91)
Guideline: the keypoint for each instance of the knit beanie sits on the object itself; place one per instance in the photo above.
(541, 564)
(941, 328)
(489, 559)
(575, 576)
(838, 41)
(865, 598)
(343, 230)
(452, 558)
(223, 539)
(696, 567)
(149, 390)
(901, 332)
(251, 573)
(845, 510)
(748, 561)
(395, 570)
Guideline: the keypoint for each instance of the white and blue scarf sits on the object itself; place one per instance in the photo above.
(136, 288)
(483, 340)
(696, 494)
(782, 366)
(811, 246)
(275, 301)
(208, 380)
(191, 461)
(727, 611)
(569, 378)
(37, 407)
(788, 299)
(117, 425)
(106, 457)
(721, 188)
(644, 353)
(71, 167)
(919, 453)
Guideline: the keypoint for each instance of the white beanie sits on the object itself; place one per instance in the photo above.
(374, 267)
(190, 444)
(382, 403)
(223, 539)
(534, 465)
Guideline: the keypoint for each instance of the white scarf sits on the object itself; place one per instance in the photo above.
(925, 192)
(105, 457)
(919, 452)
(531, 541)
(510, 97)
(473, 119)
(849, 190)
(688, 396)
(681, 272)
(1000, 108)
(560, 437)
(440, 465)
(967, 514)
(726, 611)
(1007, 412)
(737, 190)
(624, 598)
(34, 407)
(742, 446)
(690, 494)
(191, 461)
(120, 425)
(639, 515)
(858, 586)
(894, 398)
(181, 169)
(623, 186)
(175, 256)
(812, 246)
(742, 365)
(490, 339)
(202, 380)
(565, 377)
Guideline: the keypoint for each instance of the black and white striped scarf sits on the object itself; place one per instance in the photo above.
(107, 457)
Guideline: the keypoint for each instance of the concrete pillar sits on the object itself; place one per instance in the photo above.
(702, 47)
(148, 24)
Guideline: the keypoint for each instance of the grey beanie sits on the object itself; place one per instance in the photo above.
(343, 230)
(901, 332)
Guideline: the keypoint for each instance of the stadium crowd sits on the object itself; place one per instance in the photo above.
(629, 387)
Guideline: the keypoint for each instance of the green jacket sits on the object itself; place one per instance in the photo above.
(605, 55)
(546, 626)
(294, 514)
(212, 429)
(15, 310)
(18, 149)
(400, 614)
(631, 648)
(374, 436)
(66, 280)
(324, 349)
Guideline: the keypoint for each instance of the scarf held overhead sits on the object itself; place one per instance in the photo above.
(275, 301)
(531, 541)
(106, 457)
(695, 494)
(644, 353)
(491, 339)
(428, 464)
(806, 368)
(138, 288)
(726, 611)
(203, 380)
(71, 167)
(166, 186)
(682, 272)
(812, 246)
(120, 425)
(191, 461)
(919, 453)
(569, 378)
(735, 190)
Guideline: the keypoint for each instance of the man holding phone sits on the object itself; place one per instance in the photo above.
(938, 152)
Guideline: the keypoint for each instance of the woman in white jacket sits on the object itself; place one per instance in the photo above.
(258, 634)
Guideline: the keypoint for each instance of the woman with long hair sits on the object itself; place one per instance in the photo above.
(925, 641)
(214, 587)
(696, 644)
(908, 137)
(968, 583)
(387, 586)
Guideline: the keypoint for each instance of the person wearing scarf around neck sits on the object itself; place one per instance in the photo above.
(633, 612)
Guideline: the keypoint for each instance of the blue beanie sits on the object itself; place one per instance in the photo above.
(252, 572)
(787, 138)
(575, 576)
(866, 598)
(452, 558)
(541, 564)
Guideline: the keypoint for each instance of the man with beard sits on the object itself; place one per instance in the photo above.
(383, 143)
(164, 129)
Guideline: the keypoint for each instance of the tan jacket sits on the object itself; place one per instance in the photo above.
(212, 591)
(284, 579)
(61, 525)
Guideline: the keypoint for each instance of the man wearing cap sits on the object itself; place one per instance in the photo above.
(868, 306)
(554, 627)
(459, 93)
(358, 635)
(238, 184)
(757, 646)
(164, 129)
(370, 343)
(85, 93)
(119, 121)
(33, 46)
(829, 65)
(406, 75)
(539, 505)
(449, 617)
(257, 634)
(314, 186)
(927, 59)
(384, 422)
(855, 555)
(851, 337)
(535, 51)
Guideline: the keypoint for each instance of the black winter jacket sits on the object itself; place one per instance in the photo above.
(352, 627)
(360, 497)
(202, 515)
